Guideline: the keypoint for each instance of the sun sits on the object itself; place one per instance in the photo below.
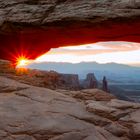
(22, 61)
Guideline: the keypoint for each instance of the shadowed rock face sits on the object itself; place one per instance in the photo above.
(33, 27)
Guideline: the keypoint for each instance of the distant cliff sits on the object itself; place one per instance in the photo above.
(89, 82)
(48, 79)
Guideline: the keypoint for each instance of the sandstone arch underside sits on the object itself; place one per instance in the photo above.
(33, 27)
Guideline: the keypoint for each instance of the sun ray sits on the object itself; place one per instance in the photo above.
(22, 61)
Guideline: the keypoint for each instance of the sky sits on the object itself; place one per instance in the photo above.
(101, 52)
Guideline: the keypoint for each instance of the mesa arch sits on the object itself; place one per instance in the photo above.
(32, 27)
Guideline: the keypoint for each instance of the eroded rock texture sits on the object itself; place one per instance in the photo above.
(34, 113)
(33, 27)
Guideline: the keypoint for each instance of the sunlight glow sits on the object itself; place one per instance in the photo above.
(22, 61)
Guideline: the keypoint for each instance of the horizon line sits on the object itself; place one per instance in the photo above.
(128, 64)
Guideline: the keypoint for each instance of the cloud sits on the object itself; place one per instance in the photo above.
(121, 46)
(100, 52)
(97, 48)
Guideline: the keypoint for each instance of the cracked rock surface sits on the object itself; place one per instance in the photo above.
(36, 113)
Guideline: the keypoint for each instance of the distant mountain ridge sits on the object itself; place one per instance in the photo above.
(65, 67)
(85, 63)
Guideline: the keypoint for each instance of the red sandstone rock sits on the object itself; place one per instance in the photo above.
(33, 27)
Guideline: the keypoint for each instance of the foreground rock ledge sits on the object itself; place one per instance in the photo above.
(34, 113)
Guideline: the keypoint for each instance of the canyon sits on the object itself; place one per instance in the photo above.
(48, 79)
(47, 105)
(34, 112)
